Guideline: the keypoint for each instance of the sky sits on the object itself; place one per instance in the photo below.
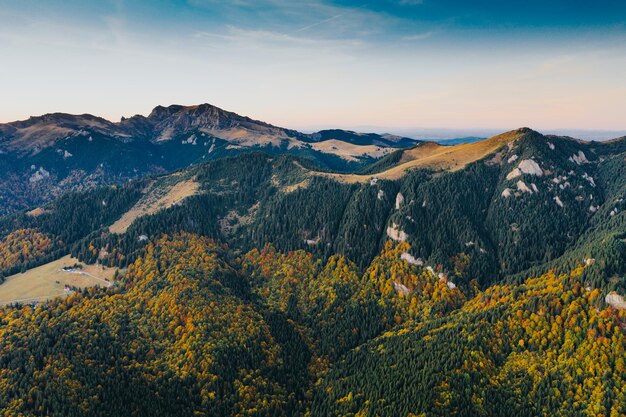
(388, 65)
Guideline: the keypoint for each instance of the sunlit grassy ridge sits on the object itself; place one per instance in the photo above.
(431, 155)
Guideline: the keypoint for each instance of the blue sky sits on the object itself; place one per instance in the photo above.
(390, 65)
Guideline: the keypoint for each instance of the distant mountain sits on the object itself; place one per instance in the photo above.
(166, 123)
(458, 141)
(363, 138)
(162, 124)
(43, 157)
(510, 204)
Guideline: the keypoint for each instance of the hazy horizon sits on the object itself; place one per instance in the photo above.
(400, 64)
(417, 132)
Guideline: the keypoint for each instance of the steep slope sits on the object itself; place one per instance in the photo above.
(32, 238)
(535, 202)
(602, 245)
(37, 133)
(173, 120)
(163, 123)
(527, 207)
(540, 348)
(162, 345)
(488, 288)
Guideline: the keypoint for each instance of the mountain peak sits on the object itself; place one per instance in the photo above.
(525, 130)
(177, 118)
(514, 135)
(522, 132)
(163, 112)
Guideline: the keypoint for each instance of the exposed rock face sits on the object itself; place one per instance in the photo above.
(399, 200)
(615, 300)
(521, 185)
(173, 120)
(579, 158)
(401, 288)
(40, 174)
(558, 201)
(512, 159)
(411, 259)
(396, 234)
(527, 166)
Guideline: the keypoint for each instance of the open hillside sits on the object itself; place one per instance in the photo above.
(58, 278)
(431, 155)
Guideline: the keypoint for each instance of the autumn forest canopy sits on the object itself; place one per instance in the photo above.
(261, 271)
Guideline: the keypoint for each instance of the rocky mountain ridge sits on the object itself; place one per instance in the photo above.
(164, 123)
(44, 156)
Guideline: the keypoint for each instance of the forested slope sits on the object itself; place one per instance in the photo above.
(192, 329)
(538, 203)
(539, 348)
(513, 213)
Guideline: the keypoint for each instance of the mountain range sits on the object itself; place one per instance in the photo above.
(515, 204)
(45, 156)
(210, 264)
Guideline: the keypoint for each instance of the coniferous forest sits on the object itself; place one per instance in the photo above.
(280, 287)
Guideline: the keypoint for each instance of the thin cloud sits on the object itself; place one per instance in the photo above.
(330, 19)
(418, 36)
(343, 27)
(254, 38)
